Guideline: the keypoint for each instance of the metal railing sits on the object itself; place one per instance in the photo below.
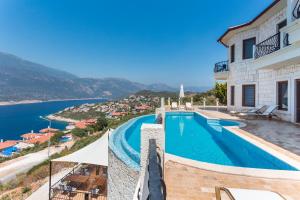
(296, 11)
(268, 46)
(221, 66)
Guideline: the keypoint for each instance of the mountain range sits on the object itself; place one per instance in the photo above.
(25, 80)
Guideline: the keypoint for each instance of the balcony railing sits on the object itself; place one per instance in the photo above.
(268, 46)
(221, 67)
(296, 11)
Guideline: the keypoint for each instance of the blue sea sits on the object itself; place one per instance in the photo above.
(16, 120)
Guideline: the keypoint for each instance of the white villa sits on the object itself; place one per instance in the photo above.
(263, 66)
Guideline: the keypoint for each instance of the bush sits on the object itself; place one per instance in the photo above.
(26, 189)
(79, 132)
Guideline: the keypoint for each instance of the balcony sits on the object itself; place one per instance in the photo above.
(268, 46)
(221, 70)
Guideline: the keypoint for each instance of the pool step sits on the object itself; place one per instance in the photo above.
(215, 125)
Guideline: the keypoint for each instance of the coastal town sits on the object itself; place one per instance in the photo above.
(79, 117)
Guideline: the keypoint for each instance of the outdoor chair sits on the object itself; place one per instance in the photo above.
(223, 193)
(62, 188)
(95, 192)
(188, 106)
(174, 106)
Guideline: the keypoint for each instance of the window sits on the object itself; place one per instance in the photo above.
(282, 95)
(249, 95)
(281, 25)
(232, 53)
(248, 48)
(232, 95)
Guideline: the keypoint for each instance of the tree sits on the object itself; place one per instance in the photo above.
(101, 124)
(221, 92)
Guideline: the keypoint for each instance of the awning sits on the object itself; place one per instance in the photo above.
(95, 153)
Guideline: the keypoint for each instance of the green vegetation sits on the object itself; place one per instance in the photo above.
(79, 132)
(221, 92)
(92, 114)
(26, 189)
(101, 124)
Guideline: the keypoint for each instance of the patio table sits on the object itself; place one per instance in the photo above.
(77, 179)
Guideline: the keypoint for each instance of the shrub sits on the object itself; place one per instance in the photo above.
(26, 189)
(79, 132)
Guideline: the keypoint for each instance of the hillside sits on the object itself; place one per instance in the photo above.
(24, 80)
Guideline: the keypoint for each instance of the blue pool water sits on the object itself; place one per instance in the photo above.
(64, 139)
(9, 151)
(192, 136)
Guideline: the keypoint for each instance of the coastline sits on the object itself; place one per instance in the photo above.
(61, 119)
(9, 103)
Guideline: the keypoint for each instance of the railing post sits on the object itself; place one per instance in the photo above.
(50, 174)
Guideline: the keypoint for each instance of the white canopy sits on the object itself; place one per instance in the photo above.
(95, 153)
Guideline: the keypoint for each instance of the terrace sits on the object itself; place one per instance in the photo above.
(83, 182)
(88, 179)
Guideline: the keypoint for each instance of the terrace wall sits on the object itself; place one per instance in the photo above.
(122, 180)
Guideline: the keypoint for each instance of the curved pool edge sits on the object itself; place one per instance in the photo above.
(244, 171)
(280, 153)
(118, 135)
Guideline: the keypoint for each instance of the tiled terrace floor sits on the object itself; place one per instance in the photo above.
(185, 182)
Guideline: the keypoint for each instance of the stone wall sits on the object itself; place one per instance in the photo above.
(268, 80)
(122, 180)
(150, 131)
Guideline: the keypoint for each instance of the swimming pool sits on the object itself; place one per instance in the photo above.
(192, 136)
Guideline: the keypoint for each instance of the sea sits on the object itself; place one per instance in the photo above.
(16, 120)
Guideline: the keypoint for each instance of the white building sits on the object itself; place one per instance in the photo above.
(263, 66)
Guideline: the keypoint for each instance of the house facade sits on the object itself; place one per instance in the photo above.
(263, 66)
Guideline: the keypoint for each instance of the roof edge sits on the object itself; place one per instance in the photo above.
(248, 23)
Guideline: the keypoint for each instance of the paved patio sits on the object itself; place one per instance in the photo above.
(185, 182)
(283, 134)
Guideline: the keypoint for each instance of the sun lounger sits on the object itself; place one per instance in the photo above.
(269, 112)
(253, 111)
(246, 194)
(174, 106)
(188, 106)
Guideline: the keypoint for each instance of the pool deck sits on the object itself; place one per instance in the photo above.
(185, 180)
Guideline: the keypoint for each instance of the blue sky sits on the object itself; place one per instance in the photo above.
(167, 41)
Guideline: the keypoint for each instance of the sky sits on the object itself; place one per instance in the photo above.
(154, 41)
